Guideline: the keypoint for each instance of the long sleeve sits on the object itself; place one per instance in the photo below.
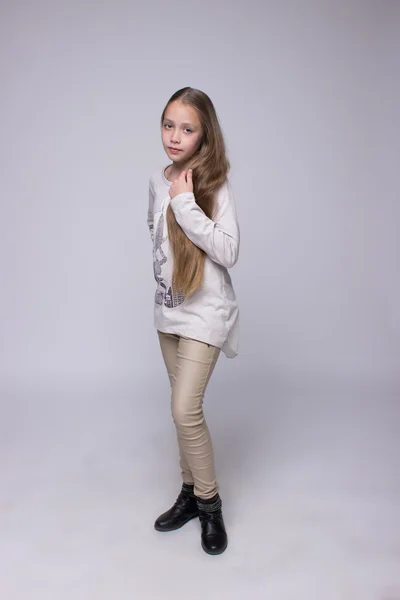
(150, 212)
(219, 238)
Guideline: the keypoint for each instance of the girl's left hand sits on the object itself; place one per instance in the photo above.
(184, 183)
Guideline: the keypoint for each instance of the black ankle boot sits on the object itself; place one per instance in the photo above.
(213, 535)
(184, 509)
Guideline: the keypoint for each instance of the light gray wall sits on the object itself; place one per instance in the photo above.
(307, 94)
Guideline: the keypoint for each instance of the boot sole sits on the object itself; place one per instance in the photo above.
(177, 527)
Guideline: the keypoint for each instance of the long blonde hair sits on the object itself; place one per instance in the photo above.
(210, 168)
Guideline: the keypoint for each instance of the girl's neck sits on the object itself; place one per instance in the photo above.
(174, 172)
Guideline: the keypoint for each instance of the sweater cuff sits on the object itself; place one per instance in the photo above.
(180, 199)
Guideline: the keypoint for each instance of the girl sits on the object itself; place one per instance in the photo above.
(193, 225)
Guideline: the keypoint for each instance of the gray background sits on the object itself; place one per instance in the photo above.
(305, 421)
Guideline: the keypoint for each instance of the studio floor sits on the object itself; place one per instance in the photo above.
(310, 486)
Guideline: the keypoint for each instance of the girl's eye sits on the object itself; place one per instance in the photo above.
(169, 125)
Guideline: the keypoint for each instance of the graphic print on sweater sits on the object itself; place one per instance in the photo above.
(164, 293)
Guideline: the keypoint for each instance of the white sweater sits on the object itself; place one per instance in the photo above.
(211, 314)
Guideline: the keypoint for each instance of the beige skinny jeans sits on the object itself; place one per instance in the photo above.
(190, 364)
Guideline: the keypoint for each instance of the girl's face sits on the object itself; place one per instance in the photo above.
(181, 129)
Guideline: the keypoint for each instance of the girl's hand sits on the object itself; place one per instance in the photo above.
(184, 183)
